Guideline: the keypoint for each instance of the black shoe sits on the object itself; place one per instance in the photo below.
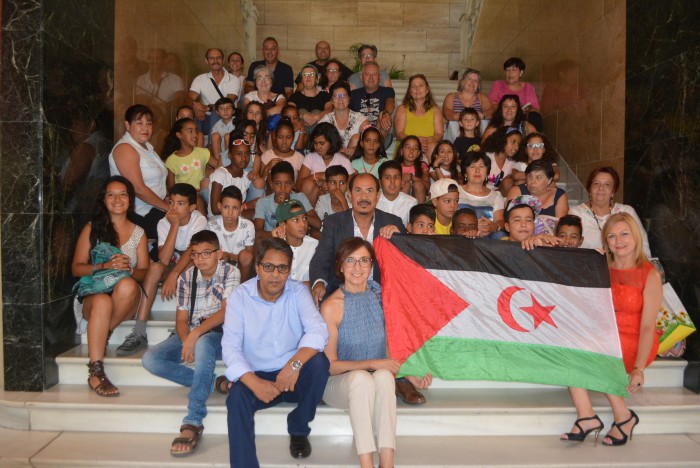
(299, 446)
(581, 435)
(615, 441)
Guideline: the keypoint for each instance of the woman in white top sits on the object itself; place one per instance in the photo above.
(104, 312)
(602, 185)
(272, 102)
(487, 204)
(134, 158)
(348, 122)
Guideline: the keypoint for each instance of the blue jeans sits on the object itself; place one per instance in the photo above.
(242, 405)
(164, 360)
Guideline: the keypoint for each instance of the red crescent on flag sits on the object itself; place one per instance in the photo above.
(504, 308)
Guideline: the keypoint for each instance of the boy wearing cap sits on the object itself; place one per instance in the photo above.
(292, 226)
(520, 223)
(445, 198)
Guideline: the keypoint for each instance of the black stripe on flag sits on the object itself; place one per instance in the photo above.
(585, 268)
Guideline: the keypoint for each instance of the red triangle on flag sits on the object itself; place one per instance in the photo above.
(410, 324)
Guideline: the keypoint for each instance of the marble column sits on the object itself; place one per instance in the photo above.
(55, 126)
(662, 131)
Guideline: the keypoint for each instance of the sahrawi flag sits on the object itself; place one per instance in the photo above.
(489, 310)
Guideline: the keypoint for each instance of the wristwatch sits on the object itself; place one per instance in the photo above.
(296, 364)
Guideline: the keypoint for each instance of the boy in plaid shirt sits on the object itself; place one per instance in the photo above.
(198, 334)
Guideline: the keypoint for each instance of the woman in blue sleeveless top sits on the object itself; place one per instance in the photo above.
(362, 374)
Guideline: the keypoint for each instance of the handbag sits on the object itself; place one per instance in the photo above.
(673, 323)
(101, 281)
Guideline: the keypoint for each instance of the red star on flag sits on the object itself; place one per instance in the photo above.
(539, 312)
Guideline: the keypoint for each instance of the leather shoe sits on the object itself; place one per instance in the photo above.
(299, 446)
(408, 392)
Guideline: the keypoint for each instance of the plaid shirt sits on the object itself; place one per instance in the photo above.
(210, 293)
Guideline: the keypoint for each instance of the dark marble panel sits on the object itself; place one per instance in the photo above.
(663, 101)
(87, 31)
(22, 324)
(657, 31)
(59, 335)
(21, 75)
(21, 14)
(22, 262)
(24, 367)
(20, 156)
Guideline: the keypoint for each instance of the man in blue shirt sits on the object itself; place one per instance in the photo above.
(272, 347)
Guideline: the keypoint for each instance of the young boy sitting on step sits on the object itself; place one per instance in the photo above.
(201, 306)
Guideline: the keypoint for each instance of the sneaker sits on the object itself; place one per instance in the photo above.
(132, 343)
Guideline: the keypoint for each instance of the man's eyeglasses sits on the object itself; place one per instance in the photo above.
(309, 74)
(205, 254)
(332, 70)
(270, 267)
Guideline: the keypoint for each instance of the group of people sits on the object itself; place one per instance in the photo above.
(260, 218)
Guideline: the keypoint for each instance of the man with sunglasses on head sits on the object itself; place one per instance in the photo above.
(273, 350)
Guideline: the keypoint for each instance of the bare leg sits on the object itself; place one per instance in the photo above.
(150, 286)
(420, 191)
(311, 190)
(620, 413)
(245, 264)
(584, 409)
(366, 460)
(386, 457)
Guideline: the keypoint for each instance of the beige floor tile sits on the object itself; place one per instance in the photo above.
(17, 447)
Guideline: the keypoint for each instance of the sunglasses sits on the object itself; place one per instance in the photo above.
(240, 141)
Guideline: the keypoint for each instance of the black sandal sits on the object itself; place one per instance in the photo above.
(191, 442)
(104, 388)
(221, 385)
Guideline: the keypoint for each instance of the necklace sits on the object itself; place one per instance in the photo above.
(595, 216)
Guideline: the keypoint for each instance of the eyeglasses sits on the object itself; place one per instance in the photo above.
(240, 141)
(340, 96)
(309, 74)
(535, 145)
(206, 254)
(364, 262)
(262, 78)
(270, 267)
(332, 70)
(368, 56)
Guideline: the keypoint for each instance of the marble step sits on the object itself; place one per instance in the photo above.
(70, 449)
(448, 412)
(72, 365)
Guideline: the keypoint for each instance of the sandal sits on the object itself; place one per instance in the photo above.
(221, 385)
(104, 388)
(617, 441)
(192, 443)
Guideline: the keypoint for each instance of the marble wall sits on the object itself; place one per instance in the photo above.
(574, 51)
(662, 139)
(56, 116)
(418, 36)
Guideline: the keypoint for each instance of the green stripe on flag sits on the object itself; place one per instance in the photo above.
(468, 359)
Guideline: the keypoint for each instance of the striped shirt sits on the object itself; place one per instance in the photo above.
(210, 294)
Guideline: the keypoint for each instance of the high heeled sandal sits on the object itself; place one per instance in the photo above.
(104, 387)
(617, 441)
(581, 435)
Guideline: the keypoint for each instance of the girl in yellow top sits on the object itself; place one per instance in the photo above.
(186, 162)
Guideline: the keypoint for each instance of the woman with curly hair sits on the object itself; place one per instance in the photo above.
(105, 311)
(509, 113)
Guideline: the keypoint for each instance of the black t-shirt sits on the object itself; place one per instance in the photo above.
(283, 74)
(464, 144)
(370, 104)
(310, 104)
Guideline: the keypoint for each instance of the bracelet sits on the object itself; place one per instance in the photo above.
(640, 369)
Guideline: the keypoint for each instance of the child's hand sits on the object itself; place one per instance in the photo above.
(171, 216)
(167, 292)
(279, 232)
(472, 234)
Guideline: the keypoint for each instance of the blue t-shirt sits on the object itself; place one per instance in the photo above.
(266, 206)
(370, 104)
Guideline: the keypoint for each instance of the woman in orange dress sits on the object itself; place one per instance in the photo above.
(636, 291)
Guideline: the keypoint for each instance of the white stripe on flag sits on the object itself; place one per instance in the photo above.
(584, 317)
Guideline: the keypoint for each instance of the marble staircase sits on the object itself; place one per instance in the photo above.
(463, 423)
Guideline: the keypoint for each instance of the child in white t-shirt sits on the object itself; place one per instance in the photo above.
(236, 234)
(292, 226)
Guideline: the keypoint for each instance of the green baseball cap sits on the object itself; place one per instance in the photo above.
(284, 210)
